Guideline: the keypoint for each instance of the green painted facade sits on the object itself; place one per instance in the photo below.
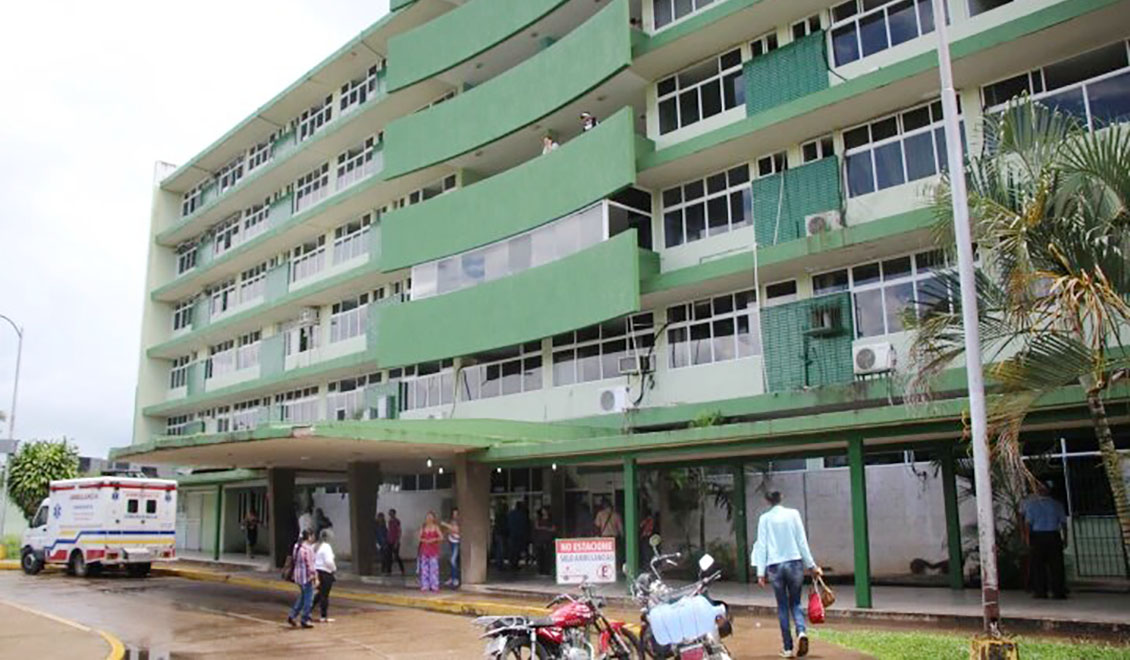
(786, 74)
(781, 202)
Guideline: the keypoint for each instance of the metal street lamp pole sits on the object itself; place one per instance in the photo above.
(982, 480)
(11, 422)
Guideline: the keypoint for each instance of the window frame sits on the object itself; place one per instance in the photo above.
(679, 355)
(721, 75)
(901, 137)
(856, 20)
(574, 342)
(737, 186)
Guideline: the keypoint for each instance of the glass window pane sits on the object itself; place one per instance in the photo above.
(920, 160)
(448, 276)
(695, 222)
(857, 137)
(733, 90)
(739, 207)
(926, 16)
(563, 368)
(833, 282)
(544, 249)
(512, 377)
(520, 249)
(915, 119)
(1003, 91)
(668, 116)
(531, 374)
(940, 150)
(566, 235)
(1110, 100)
(869, 313)
(932, 294)
(724, 340)
(610, 354)
(873, 34)
(698, 73)
(700, 343)
(845, 44)
(588, 363)
(716, 183)
(495, 262)
(903, 22)
(1086, 66)
(711, 94)
(492, 381)
(673, 228)
(861, 178)
(677, 347)
(898, 297)
(718, 211)
(748, 341)
(663, 12)
(1069, 103)
(888, 165)
(473, 267)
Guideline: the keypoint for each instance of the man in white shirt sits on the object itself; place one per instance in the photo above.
(781, 556)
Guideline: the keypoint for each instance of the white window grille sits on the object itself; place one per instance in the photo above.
(178, 374)
(298, 406)
(178, 424)
(230, 174)
(312, 188)
(226, 235)
(186, 257)
(193, 199)
(817, 149)
(260, 154)
(903, 147)
(301, 337)
(808, 26)
(710, 206)
(861, 28)
(357, 91)
(253, 284)
(182, 314)
(312, 120)
(426, 385)
(700, 92)
(223, 297)
(594, 353)
(308, 259)
(429, 191)
(772, 164)
(221, 359)
(346, 397)
(255, 220)
(666, 12)
(247, 352)
(713, 330)
(763, 45)
(245, 415)
(355, 164)
(222, 416)
(351, 240)
(502, 372)
(349, 318)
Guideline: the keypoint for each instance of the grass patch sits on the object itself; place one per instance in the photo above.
(11, 543)
(890, 645)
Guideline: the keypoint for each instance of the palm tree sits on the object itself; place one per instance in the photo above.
(1049, 203)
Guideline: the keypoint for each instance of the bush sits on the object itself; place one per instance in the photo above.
(34, 467)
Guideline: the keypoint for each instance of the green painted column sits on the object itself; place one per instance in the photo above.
(631, 517)
(218, 544)
(953, 519)
(859, 523)
(740, 527)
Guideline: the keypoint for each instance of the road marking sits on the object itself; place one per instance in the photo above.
(117, 649)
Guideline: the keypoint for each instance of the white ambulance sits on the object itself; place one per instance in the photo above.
(87, 524)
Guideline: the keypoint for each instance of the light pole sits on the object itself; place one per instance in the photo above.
(982, 481)
(11, 423)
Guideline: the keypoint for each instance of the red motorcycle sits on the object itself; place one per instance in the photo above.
(563, 635)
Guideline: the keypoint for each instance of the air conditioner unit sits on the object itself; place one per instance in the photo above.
(818, 223)
(308, 316)
(614, 399)
(873, 358)
(634, 365)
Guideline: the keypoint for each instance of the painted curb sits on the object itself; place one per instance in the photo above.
(117, 649)
(9, 565)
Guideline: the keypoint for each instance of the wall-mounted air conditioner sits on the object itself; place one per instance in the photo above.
(308, 316)
(818, 223)
(634, 365)
(614, 399)
(873, 358)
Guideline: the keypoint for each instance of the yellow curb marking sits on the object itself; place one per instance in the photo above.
(117, 649)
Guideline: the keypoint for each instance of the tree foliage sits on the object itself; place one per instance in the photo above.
(34, 467)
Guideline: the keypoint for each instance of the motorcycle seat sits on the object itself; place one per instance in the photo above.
(543, 622)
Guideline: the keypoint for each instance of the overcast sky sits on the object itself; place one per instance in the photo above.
(93, 94)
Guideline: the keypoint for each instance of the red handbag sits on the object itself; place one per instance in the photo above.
(815, 606)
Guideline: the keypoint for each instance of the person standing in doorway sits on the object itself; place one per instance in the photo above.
(545, 532)
(306, 577)
(453, 538)
(781, 556)
(427, 556)
(1045, 524)
(500, 535)
(381, 533)
(394, 541)
(519, 525)
(251, 531)
(609, 525)
(326, 567)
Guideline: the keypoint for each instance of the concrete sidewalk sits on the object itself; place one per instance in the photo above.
(27, 633)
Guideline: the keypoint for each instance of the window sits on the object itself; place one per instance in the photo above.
(349, 318)
(630, 209)
(780, 293)
(883, 290)
(817, 149)
(351, 240)
(357, 91)
(312, 188)
(1093, 87)
(150, 506)
(193, 199)
(222, 416)
(178, 374)
(979, 6)
(713, 330)
(808, 26)
(226, 235)
(223, 297)
(714, 205)
(701, 91)
(594, 353)
(864, 27)
(550, 242)
(429, 191)
(178, 424)
(312, 120)
(501, 372)
(260, 154)
(40, 519)
(186, 257)
(887, 152)
(245, 415)
(221, 359)
(772, 164)
(667, 11)
(132, 505)
(230, 174)
(308, 259)
(247, 353)
(253, 283)
(447, 96)
(355, 164)
(298, 406)
(301, 336)
(763, 45)
(182, 314)
(255, 219)
(426, 385)
(346, 398)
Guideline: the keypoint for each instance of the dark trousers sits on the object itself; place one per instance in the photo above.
(1045, 566)
(545, 554)
(322, 598)
(394, 555)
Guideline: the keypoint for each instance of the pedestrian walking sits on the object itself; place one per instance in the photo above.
(781, 556)
(394, 541)
(544, 534)
(1045, 523)
(306, 577)
(427, 556)
(327, 571)
(381, 532)
(453, 538)
(250, 531)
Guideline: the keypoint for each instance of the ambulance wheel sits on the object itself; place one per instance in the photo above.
(138, 570)
(29, 562)
(77, 566)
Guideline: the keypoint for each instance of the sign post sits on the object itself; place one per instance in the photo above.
(590, 560)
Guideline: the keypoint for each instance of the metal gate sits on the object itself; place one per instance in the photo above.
(1099, 550)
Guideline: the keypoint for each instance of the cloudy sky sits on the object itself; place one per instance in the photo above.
(94, 93)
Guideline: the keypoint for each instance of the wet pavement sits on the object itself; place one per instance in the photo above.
(168, 617)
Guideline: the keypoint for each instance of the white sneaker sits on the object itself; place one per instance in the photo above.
(787, 653)
(802, 645)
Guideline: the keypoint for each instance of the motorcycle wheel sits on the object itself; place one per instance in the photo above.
(649, 648)
(523, 649)
(625, 646)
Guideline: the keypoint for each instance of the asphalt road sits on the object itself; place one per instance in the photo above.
(167, 617)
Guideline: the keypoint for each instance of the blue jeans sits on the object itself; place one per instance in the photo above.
(787, 579)
(456, 573)
(304, 603)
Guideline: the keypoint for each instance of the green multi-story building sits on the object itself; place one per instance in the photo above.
(419, 270)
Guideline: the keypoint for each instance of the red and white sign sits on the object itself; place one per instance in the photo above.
(592, 560)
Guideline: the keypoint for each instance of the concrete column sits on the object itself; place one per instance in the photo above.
(859, 523)
(953, 519)
(283, 523)
(472, 496)
(740, 527)
(219, 542)
(363, 480)
(631, 518)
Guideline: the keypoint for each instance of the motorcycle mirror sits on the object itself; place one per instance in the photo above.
(705, 562)
(654, 540)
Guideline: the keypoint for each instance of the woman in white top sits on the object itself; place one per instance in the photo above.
(327, 569)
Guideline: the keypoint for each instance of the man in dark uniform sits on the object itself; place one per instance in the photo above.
(1046, 524)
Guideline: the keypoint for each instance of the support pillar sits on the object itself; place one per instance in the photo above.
(953, 518)
(363, 480)
(283, 523)
(740, 526)
(472, 496)
(557, 500)
(219, 543)
(631, 517)
(859, 523)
